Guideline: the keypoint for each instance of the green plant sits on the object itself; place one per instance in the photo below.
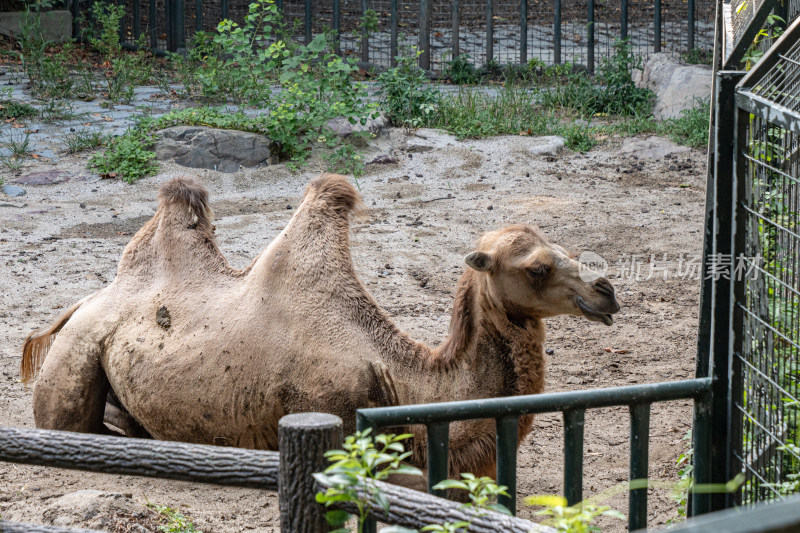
(773, 28)
(698, 56)
(345, 159)
(57, 110)
(691, 128)
(83, 139)
(129, 156)
(14, 164)
(407, 98)
(460, 70)
(579, 137)
(483, 493)
(174, 521)
(355, 468)
(685, 463)
(19, 144)
(108, 16)
(11, 110)
(575, 519)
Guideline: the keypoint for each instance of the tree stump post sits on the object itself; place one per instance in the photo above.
(303, 439)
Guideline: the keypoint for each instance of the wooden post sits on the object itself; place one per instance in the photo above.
(303, 439)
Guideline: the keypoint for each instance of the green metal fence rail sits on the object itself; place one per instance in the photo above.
(781, 517)
(506, 411)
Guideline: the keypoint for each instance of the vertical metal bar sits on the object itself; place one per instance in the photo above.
(75, 7)
(337, 24)
(394, 35)
(425, 34)
(720, 364)
(364, 33)
(590, 37)
(198, 15)
(151, 16)
(657, 26)
(623, 20)
(699, 503)
(557, 31)
(363, 423)
(455, 29)
(438, 446)
(690, 29)
(225, 8)
(137, 19)
(180, 24)
(489, 31)
(640, 433)
(737, 296)
(507, 439)
(573, 455)
(169, 8)
(523, 31)
(307, 21)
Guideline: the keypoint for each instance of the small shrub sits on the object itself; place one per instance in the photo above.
(691, 128)
(128, 157)
(579, 137)
(698, 56)
(174, 521)
(407, 98)
(461, 71)
(11, 110)
(83, 139)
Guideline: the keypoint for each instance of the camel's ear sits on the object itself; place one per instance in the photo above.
(480, 261)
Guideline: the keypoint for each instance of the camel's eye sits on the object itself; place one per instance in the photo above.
(538, 272)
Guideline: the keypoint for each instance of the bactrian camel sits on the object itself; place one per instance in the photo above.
(197, 351)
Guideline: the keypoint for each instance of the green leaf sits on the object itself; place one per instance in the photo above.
(337, 518)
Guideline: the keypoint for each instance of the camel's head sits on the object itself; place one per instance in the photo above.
(527, 276)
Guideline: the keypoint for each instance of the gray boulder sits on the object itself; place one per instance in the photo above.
(211, 148)
(677, 86)
(651, 148)
(342, 127)
(549, 145)
(94, 509)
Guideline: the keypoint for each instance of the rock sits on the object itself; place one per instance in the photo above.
(383, 159)
(677, 86)
(548, 145)
(49, 177)
(342, 127)
(13, 191)
(94, 509)
(211, 148)
(55, 25)
(426, 140)
(651, 148)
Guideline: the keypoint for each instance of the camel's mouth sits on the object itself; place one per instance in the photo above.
(593, 315)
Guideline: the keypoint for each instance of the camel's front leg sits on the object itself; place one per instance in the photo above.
(70, 394)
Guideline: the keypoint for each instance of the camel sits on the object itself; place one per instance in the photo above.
(196, 351)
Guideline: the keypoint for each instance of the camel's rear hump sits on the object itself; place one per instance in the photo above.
(187, 194)
(333, 193)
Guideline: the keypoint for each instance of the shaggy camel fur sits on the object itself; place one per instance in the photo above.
(197, 351)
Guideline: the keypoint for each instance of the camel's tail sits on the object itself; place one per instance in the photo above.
(38, 344)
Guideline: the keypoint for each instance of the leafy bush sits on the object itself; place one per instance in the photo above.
(461, 71)
(12, 110)
(129, 156)
(407, 98)
(691, 128)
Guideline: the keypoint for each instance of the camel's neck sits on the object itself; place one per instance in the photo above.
(484, 335)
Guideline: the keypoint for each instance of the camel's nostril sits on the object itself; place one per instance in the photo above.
(604, 286)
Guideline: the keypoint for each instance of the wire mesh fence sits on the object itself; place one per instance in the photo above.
(767, 301)
(500, 31)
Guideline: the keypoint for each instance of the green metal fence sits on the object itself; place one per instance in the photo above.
(500, 31)
(573, 405)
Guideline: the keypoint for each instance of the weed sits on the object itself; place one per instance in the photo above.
(175, 522)
(579, 137)
(483, 493)
(698, 56)
(55, 110)
(14, 164)
(83, 139)
(19, 144)
(407, 98)
(129, 157)
(461, 71)
(11, 110)
(691, 128)
(345, 160)
(575, 519)
(353, 472)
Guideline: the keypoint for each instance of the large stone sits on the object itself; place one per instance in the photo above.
(549, 145)
(651, 148)
(211, 148)
(56, 25)
(13, 191)
(49, 177)
(677, 86)
(425, 140)
(94, 509)
(342, 127)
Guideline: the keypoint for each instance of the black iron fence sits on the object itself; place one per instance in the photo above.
(750, 312)
(501, 31)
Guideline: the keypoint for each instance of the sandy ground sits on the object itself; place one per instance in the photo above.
(61, 242)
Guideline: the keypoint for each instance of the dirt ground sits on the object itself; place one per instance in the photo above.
(63, 241)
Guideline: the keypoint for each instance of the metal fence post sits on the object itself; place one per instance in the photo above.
(523, 31)
(657, 26)
(337, 26)
(198, 15)
(489, 31)
(180, 24)
(364, 33)
(307, 21)
(640, 440)
(151, 16)
(438, 455)
(394, 34)
(507, 439)
(557, 32)
(455, 30)
(425, 34)
(225, 8)
(721, 431)
(690, 29)
(137, 19)
(573, 455)
(623, 20)
(590, 37)
(303, 439)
